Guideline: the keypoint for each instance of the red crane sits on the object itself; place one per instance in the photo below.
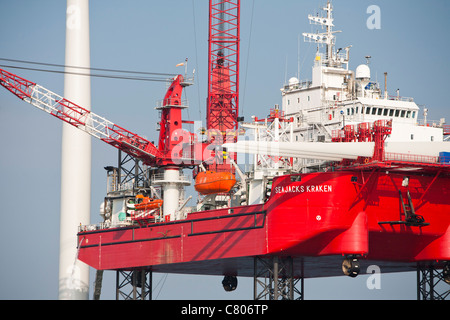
(223, 71)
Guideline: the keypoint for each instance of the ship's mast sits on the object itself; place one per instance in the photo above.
(327, 37)
(330, 37)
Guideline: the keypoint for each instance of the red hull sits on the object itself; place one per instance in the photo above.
(324, 214)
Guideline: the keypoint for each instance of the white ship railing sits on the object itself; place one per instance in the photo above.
(181, 103)
(404, 99)
(158, 178)
(431, 123)
(401, 157)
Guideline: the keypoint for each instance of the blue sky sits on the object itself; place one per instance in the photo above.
(412, 46)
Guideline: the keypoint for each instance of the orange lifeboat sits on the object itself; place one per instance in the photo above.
(214, 182)
(146, 203)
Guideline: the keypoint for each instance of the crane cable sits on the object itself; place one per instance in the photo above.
(248, 58)
(145, 76)
(196, 58)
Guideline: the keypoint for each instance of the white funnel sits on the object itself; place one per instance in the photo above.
(76, 156)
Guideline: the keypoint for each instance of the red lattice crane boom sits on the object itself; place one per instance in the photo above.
(223, 66)
(174, 142)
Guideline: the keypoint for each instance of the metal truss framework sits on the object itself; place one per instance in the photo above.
(132, 173)
(223, 82)
(431, 284)
(275, 128)
(274, 279)
(134, 285)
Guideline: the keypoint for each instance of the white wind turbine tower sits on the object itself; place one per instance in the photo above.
(76, 156)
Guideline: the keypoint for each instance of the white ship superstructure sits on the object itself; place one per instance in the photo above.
(337, 97)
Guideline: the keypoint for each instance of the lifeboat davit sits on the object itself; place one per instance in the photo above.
(146, 203)
(210, 182)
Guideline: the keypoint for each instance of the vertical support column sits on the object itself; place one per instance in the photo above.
(274, 290)
(278, 281)
(98, 284)
(223, 65)
(134, 285)
(432, 284)
(76, 156)
(171, 192)
(222, 105)
(172, 182)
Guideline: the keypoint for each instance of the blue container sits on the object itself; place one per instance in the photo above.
(444, 157)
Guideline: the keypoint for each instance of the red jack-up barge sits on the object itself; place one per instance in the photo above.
(366, 206)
